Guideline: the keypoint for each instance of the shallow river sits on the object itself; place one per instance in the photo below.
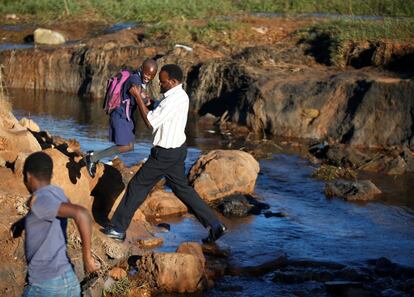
(316, 228)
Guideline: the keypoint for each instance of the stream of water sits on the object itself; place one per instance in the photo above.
(315, 228)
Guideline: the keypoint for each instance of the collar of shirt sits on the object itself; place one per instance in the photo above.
(173, 90)
(144, 86)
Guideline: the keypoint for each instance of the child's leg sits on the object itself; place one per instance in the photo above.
(113, 150)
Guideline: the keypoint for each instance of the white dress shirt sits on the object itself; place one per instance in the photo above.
(169, 118)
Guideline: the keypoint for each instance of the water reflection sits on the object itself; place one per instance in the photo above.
(315, 228)
(72, 117)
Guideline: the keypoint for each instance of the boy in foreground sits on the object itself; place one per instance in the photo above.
(49, 270)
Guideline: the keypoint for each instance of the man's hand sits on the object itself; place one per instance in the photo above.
(143, 110)
(146, 98)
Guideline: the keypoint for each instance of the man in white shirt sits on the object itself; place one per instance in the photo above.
(168, 121)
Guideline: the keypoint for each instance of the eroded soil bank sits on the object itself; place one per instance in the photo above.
(269, 84)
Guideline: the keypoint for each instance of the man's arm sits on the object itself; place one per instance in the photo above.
(143, 110)
(84, 225)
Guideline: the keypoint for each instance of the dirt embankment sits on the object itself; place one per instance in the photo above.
(270, 80)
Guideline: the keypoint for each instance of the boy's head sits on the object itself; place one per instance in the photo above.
(37, 171)
(171, 76)
(149, 69)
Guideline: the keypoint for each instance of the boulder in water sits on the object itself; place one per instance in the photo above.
(240, 206)
(362, 190)
(222, 173)
(172, 272)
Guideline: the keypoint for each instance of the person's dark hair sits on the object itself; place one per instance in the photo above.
(174, 71)
(40, 165)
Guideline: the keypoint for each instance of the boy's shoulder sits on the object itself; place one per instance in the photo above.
(135, 78)
(51, 191)
(47, 200)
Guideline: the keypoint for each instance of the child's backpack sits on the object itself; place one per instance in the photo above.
(113, 94)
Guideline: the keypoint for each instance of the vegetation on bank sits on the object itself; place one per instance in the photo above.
(211, 21)
(162, 10)
(338, 36)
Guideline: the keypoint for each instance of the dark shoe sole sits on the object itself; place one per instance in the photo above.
(113, 236)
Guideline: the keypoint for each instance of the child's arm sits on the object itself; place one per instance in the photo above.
(84, 225)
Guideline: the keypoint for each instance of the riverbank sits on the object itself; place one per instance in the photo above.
(341, 101)
(325, 240)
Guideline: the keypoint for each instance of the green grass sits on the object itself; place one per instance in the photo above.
(348, 7)
(361, 30)
(336, 37)
(166, 10)
(213, 32)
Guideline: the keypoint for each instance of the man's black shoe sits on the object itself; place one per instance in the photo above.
(112, 233)
(90, 166)
(215, 233)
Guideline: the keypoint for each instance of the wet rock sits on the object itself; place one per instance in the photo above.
(345, 156)
(46, 36)
(397, 166)
(151, 242)
(29, 124)
(271, 214)
(221, 173)
(408, 285)
(363, 190)
(160, 204)
(288, 278)
(319, 149)
(354, 107)
(164, 227)
(354, 274)
(240, 206)
(392, 293)
(384, 267)
(329, 172)
(117, 273)
(262, 269)
(346, 289)
(192, 248)
(409, 159)
(215, 251)
(172, 272)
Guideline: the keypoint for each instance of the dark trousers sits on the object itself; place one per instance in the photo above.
(168, 163)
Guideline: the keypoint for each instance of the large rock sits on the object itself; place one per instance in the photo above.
(46, 36)
(221, 173)
(192, 248)
(15, 140)
(29, 124)
(362, 108)
(172, 272)
(160, 204)
(362, 190)
(71, 177)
